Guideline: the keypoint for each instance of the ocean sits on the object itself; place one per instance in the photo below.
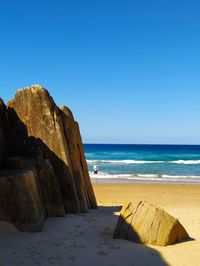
(144, 163)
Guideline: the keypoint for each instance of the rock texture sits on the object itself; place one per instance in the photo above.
(20, 201)
(78, 161)
(3, 140)
(142, 222)
(38, 137)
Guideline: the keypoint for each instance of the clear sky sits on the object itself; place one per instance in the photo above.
(129, 70)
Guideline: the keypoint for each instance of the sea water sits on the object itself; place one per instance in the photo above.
(145, 163)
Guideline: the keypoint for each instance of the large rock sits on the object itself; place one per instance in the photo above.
(82, 181)
(3, 140)
(89, 188)
(50, 127)
(43, 120)
(20, 201)
(44, 141)
(142, 222)
(48, 185)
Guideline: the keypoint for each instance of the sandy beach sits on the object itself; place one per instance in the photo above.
(86, 239)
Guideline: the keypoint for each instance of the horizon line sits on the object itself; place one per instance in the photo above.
(95, 143)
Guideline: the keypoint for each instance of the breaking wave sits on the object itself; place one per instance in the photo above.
(123, 161)
(143, 162)
(186, 162)
(147, 177)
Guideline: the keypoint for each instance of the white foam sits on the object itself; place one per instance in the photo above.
(186, 162)
(123, 161)
(143, 162)
(146, 177)
(104, 175)
(181, 177)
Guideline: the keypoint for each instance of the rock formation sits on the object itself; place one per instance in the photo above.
(42, 159)
(3, 141)
(20, 200)
(142, 222)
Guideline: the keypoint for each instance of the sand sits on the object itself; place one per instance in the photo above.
(86, 239)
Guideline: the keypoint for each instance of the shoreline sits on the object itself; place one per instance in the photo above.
(107, 180)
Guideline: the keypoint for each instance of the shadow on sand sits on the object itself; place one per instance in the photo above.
(124, 252)
(81, 239)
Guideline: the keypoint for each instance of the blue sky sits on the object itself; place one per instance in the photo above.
(129, 70)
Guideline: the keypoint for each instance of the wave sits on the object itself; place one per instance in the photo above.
(186, 162)
(123, 161)
(143, 162)
(146, 177)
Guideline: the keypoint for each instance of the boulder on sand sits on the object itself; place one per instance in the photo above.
(145, 223)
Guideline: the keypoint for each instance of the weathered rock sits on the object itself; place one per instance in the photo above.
(142, 222)
(43, 120)
(70, 136)
(84, 192)
(43, 144)
(3, 140)
(89, 189)
(17, 134)
(20, 202)
(48, 186)
(7, 200)
(57, 135)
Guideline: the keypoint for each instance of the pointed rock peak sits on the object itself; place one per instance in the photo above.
(36, 88)
(67, 111)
